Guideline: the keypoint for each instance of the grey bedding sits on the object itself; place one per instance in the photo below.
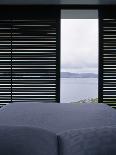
(58, 117)
(57, 129)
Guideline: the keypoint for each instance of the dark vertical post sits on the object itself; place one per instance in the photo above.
(11, 56)
(100, 67)
(58, 57)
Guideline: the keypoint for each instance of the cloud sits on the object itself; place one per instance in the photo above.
(79, 44)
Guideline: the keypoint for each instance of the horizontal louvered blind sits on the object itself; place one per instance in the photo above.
(29, 55)
(108, 56)
(34, 60)
(5, 61)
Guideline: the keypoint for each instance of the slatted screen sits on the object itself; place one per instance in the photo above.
(107, 75)
(34, 60)
(29, 56)
(5, 61)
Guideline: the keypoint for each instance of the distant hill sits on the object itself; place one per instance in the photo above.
(78, 75)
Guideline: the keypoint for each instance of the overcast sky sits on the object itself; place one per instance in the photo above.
(79, 45)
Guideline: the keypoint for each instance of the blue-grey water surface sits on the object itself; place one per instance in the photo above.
(75, 89)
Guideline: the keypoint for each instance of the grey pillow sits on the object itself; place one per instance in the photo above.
(92, 141)
(20, 140)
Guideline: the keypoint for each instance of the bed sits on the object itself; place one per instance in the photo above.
(33, 128)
